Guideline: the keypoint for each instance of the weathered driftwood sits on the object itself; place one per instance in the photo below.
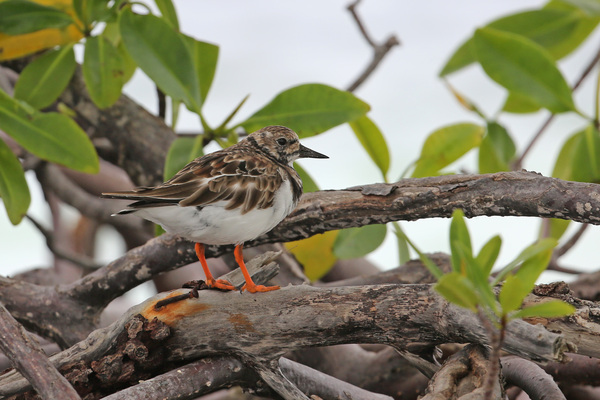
(407, 317)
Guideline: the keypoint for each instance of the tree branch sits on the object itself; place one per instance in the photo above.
(379, 50)
(531, 378)
(29, 359)
(408, 317)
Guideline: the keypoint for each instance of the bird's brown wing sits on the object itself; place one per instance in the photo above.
(243, 179)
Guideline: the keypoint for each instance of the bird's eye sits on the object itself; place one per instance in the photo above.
(281, 141)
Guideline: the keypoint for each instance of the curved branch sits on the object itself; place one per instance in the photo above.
(531, 378)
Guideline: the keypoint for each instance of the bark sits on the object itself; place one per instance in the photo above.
(531, 378)
(462, 377)
(28, 358)
(408, 317)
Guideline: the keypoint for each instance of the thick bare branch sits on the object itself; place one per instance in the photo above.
(29, 359)
(407, 317)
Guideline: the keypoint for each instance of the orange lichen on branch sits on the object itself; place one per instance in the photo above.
(173, 312)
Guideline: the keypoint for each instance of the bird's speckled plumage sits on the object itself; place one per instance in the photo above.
(229, 196)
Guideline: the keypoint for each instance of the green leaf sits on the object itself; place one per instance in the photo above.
(429, 264)
(458, 290)
(586, 157)
(167, 10)
(489, 254)
(204, 56)
(358, 242)
(91, 11)
(103, 71)
(496, 150)
(308, 109)
(459, 234)
(308, 183)
(520, 104)
(512, 294)
(315, 254)
(402, 243)
(373, 142)
(44, 79)
(558, 30)
(548, 309)
(474, 272)
(51, 136)
(129, 65)
(557, 227)
(162, 54)
(446, 145)
(18, 17)
(523, 67)
(563, 168)
(590, 7)
(13, 186)
(529, 252)
(182, 151)
(532, 267)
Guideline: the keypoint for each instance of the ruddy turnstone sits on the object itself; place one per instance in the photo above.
(228, 197)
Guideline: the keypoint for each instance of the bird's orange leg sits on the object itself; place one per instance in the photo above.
(249, 285)
(210, 281)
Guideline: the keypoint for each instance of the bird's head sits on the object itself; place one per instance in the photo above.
(282, 144)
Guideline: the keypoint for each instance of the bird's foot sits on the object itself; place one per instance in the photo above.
(220, 284)
(258, 288)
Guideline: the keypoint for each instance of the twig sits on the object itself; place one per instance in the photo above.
(571, 242)
(519, 163)
(29, 359)
(531, 378)
(380, 50)
(77, 259)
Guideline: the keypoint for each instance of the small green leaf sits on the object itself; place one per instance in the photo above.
(541, 246)
(489, 254)
(496, 150)
(51, 136)
(162, 54)
(103, 71)
(44, 79)
(446, 145)
(91, 11)
(315, 254)
(182, 151)
(520, 104)
(586, 157)
(459, 234)
(18, 17)
(402, 243)
(13, 186)
(548, 309)
(512, 294)
(590, 7)
(532, 268)
(557, 227)
(474, 272)
(373, 142)
(204, 56)
(167, 10)
(358, 242)
(563, 167)
(558, 30)
(523, 67)
(308, 109)
(308, 184)
(458, 290)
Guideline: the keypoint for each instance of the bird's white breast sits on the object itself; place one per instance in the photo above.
(213, 224)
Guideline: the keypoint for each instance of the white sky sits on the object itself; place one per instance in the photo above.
(267, 46)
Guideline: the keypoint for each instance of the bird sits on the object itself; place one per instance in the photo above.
(227, 197)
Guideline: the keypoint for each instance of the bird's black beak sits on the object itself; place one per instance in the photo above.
(305, 152)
